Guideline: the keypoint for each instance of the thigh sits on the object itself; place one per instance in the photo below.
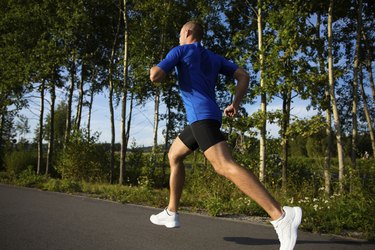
(178, 149)
(188, 139)
(219, 154)
(207, 133)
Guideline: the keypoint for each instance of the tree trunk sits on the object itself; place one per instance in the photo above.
(89, 112)
(328, 151)
(129, 120)
(40, 135)
(262, 140)
(156, 126)
(355, 90)
(112, 120)
(367, 113)
(123, 99)
(111, 89)
(340, 151)
(92, 93)
(369, 63)
(51, 142)
(80, 98)
(68, 122)
(166, 144)
(287, 96)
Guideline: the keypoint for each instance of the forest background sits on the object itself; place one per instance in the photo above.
(321, 52)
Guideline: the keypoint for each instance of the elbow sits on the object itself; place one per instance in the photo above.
(241, 75)
(156, 74)
(246, 77)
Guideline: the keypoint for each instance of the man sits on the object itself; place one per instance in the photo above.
(197, 70)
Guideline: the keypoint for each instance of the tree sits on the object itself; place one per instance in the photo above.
(355, 86)
(263, 128)
(40, 131)
(326, 105)
(340, 152)
(366, 111)
(51, 141)
(124, 94)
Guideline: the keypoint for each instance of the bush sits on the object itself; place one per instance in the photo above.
(29, 178)
(18, 161)
(135, 161)
(350, 214)
(5, 177)
(64, 185)
(82, 159)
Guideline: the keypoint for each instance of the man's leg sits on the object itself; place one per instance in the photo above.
(169, 217)
(176, 155)
(221, 159)
(285, 220)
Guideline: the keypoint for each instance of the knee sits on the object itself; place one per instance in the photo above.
(220, 168)
(227, 169)
(175, 158)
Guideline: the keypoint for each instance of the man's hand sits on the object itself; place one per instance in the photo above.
(230, 111)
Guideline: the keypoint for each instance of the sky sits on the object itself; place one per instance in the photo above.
(141, 132)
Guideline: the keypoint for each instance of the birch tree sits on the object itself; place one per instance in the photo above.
(124, 95)
(339, 143)
(355, 87)
(263, 110)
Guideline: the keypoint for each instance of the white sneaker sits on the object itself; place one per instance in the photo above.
(287, 227)
(165, 219)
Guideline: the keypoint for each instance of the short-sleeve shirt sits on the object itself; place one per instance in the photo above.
(197, 71)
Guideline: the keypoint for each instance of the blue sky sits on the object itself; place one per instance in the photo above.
(142, 123)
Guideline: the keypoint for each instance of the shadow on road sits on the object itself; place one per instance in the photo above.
(252, 241)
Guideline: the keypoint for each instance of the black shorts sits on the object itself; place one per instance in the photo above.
(202, 134)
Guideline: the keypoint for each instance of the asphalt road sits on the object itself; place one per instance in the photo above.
(33, 219)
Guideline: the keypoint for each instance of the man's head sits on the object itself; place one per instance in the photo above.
(191, 32)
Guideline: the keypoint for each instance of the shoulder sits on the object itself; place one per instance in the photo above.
(175, 50)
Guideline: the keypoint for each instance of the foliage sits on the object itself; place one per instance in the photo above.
(28, 178)
(63, 185)
(59, 124)
(82, 159)
(350, 214)
(135, 161)
(18, 161)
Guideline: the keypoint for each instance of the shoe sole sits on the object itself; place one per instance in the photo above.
(296, 222)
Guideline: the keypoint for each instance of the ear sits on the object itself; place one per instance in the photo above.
(189, 33)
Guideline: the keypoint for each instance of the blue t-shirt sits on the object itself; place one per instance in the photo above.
(197, 70)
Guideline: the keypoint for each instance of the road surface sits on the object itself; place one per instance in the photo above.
(34, 219)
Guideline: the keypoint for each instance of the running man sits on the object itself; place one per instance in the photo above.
(197, 69)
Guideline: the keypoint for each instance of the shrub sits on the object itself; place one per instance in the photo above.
(82, 159)
(350, 214)
(135, 161)
(28, 178)
(65, 185)
(5, 177)
(18, 161)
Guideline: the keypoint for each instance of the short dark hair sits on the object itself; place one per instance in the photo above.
(196, 28)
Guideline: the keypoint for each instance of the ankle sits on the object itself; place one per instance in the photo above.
(278, 214)
(171, 211)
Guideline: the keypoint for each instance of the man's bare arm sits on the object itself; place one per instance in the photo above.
(241, 88)
(157, 74)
